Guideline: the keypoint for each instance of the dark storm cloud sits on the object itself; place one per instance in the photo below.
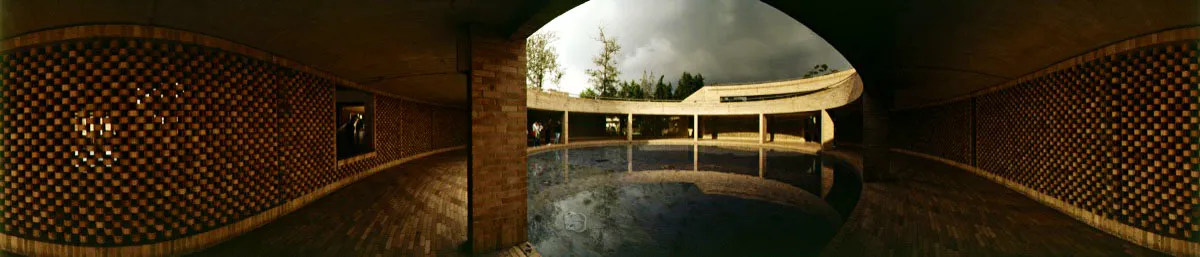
(726, 40)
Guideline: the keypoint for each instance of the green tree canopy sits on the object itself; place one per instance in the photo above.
(819, 70)
(541, 60)
(682, 86)
(588, 93)
(631, 90)
(662, 91)
(688, 84)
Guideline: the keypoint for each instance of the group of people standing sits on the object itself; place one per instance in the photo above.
(542, 133)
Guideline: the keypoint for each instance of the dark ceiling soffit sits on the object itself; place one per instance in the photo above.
(862, 31)
(948, 69)
(1005, 84)
(536, 13)
(525, 14)
(376, 80)
(462, 50)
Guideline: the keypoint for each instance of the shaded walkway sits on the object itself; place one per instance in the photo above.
(935, 209)
(418, 209)
(414, 209)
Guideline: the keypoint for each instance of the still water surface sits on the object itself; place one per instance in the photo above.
(672, 200)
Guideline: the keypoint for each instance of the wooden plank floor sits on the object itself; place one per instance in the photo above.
(935, 209)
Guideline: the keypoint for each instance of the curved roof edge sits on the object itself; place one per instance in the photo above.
(831, 91)
(713, 94)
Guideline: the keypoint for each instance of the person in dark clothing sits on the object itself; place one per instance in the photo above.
(350, 136)
(553, 132)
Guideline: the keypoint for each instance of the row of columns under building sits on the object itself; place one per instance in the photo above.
(826, 127)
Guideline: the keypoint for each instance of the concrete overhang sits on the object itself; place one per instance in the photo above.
(922, 51)
(405, 48)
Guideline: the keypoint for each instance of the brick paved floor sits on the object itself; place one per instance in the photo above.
(414, 209)
(418, 209)
(938, 210)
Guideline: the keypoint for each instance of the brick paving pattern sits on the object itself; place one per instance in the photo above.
(937, 210)
(419, 209)
(414, 209)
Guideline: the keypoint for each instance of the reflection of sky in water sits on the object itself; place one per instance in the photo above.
(577, 208)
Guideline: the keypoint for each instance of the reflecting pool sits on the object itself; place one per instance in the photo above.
(685, 200)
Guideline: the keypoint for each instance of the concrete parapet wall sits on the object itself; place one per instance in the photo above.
(713, 93)
(839, 89)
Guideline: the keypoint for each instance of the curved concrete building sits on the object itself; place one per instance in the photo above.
(322, 128)
(801, 95)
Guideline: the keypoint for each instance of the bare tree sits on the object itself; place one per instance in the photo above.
(604, 77)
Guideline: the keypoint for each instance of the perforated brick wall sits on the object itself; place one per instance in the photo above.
(124, 141)
(405, 128)
(1114, 134)
(943, 130)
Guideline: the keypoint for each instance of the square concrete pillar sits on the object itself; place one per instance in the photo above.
(762, 128)
(695, 157)
(695, 128)
(762, 161)
(826, 128)
(497, 176)
(629, 128)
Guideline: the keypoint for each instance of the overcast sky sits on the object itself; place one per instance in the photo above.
(726, 40)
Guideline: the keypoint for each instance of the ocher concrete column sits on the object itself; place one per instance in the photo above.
(566, 135)
(826, 128)
(566, 164)
(629, 157)
(826, 180)
(695, 128)
(762, 128)
(629, 128)
(497, 176)
(762, 161)
(695, 157)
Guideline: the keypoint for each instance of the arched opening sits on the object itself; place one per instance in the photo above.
(1088, 117)
(636, 144)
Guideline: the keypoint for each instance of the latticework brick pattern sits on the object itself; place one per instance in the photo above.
(121, 141)
(405, 128)
(1115, 136)
(943, 130)
(308, 145)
